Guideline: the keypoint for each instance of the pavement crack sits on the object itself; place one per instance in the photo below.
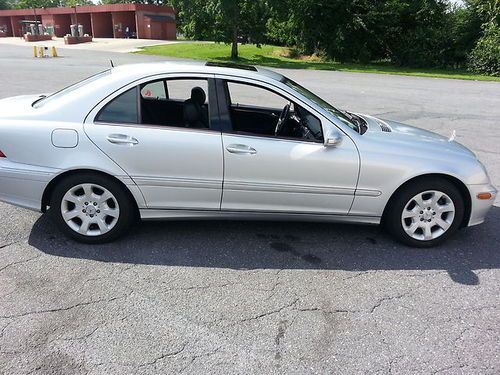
(327, 311)
(277, 311)
(443, 369)
(194, 358)
(199, 287)
(12, 243)
(386, 299)
(163, 356)
(59, 309)
(19, 262)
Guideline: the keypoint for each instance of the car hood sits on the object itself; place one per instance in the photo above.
(412, 138)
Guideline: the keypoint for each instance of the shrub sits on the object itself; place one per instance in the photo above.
(485, 57)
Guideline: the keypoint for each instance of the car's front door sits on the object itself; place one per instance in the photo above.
(291, 172)
(160, 133)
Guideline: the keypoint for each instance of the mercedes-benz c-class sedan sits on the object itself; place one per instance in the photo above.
(204, 140)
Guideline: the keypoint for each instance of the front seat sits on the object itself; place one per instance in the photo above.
(195, 115)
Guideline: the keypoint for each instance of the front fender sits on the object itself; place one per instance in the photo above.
(387, 171)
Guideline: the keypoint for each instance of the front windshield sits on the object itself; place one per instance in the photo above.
(342, 116)
(45, 99)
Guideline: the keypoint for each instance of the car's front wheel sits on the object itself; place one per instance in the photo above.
(91, 208)
(425, 213)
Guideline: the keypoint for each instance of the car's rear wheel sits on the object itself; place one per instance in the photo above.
(91, 208)
(425, 213)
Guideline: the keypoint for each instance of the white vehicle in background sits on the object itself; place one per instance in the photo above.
(200, 141)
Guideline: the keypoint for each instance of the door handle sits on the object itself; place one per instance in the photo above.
(241, 150)
(122, 139)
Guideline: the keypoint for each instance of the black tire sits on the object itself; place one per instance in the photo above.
(127, 209)
(393, 215)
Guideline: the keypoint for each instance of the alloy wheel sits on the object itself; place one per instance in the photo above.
(428, 215)
(90, 209)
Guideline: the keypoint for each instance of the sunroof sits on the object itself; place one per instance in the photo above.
(231, 65)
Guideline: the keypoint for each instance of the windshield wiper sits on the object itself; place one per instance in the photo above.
(360, 122)
(347, 116)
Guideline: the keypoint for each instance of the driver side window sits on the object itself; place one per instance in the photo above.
(259, 111)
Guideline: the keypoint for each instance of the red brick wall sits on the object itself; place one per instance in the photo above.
(148, 28)
(61, 24)
(5, 23)
(16, 27)
(98, 20)
(84, 20)
(102, 25)
(123, 19)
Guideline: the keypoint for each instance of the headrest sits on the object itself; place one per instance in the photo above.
(198, 95)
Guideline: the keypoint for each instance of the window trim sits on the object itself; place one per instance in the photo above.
(226, 103)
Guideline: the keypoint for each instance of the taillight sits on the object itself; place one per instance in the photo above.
(2, 155)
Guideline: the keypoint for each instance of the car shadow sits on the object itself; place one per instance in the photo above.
(282, 245)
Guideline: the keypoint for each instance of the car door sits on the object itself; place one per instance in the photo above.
(141, 128)
(269, 173)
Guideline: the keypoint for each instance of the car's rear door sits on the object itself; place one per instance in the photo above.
(175, 167)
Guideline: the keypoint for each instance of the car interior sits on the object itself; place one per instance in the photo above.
(289, 121)
(159, 107)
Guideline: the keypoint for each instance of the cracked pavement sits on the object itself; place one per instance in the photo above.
(254, 297)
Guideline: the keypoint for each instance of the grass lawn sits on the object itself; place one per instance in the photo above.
(275, 57)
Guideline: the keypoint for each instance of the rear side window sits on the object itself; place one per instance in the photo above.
(154, 90)
(122, 109)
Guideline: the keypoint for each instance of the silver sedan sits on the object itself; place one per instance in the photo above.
(223, 141)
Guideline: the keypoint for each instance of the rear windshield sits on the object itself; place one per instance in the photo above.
(45, 99)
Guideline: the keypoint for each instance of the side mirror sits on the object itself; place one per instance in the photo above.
(332, 138)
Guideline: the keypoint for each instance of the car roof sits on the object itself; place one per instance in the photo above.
(222, 68)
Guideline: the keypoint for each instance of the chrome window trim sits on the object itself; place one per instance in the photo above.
(272, 137)
(152, 126)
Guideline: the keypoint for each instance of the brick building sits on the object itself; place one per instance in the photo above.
(100, 21)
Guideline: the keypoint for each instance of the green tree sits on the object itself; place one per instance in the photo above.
(154, 2)
(5, 4)
(409, 32)
(485, 57)
(422, 33)
(487, 10)
(223, 20)
(72, 3)
(28, 4)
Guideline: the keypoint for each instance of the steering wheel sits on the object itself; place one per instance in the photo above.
(285, 113)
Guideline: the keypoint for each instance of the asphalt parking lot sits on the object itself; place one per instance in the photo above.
(257, 297)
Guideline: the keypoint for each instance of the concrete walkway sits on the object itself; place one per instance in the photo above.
(99, 44)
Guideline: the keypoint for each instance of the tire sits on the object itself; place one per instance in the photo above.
(425, 213)
(91, 208)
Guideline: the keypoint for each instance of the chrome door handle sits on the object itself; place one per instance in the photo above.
(122, 139)
(241, 149)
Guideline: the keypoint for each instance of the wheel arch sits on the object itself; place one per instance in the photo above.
(47, 193)
(455, 181)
